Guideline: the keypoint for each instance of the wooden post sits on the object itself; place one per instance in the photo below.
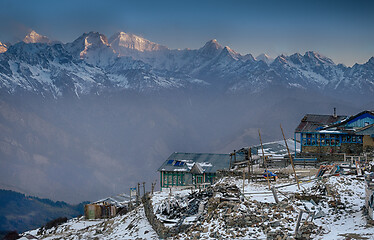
(249, 164)
(299, 220)
(130, 199)
(275, 195)
(230, 159)
(243, 179)
(289, 154)
(143, 188)
(138, 195)
(153, 187)
(263, 155)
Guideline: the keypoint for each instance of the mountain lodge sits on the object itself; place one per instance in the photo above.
(321, 135)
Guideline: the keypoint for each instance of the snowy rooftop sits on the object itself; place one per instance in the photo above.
(209, 162)
(277, 148)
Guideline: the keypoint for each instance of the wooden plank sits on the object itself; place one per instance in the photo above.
(263, 155)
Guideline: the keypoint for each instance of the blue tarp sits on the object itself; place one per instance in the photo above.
(268, 173)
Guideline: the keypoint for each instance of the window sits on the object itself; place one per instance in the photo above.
(170, 180)
(174, 179)
(170, 162)
(199, 179)
(180, 180)
(165, 178)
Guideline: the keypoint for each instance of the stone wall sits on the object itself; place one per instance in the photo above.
(162, 231)
(322, 157)
(348, 148)
(368, 144)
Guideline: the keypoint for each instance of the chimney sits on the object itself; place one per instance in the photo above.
(335, 112)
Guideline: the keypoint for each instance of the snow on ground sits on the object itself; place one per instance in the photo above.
(133, 225)
(337, 203)
(338, 223)
(338, 210)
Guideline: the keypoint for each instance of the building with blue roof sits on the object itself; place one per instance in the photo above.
(321, 134)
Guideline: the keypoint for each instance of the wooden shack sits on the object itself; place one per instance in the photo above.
(98, 210)
(108, 207)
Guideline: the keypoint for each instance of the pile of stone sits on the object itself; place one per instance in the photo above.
(178, 208)
(229, 215)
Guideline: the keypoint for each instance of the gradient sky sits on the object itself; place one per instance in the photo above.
(341, 30)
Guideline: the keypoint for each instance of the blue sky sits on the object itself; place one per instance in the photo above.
(341, 30)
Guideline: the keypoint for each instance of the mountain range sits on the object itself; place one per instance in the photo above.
(93, 63)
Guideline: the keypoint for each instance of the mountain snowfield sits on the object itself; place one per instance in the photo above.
(93, 64)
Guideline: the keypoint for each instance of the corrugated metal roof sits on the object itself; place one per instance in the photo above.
(183, 162)
(277, 148)
(342, 124)
(368, 130)
(119, 200)
(311, 122)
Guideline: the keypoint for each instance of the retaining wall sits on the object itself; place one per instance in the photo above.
(162, 231)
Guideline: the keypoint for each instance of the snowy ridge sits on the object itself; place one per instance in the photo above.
(265, 58)
(92, 63)
(121, 42)
(133, 225)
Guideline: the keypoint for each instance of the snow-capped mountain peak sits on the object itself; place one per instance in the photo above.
(34, 37)
(93, 40)
(3, 47)
(212, 44)
(211, 49)
(228, 52)
(371, 61)
(317, 58)
(133, 42)
(265, 58)
(282, 59)
(93, 47)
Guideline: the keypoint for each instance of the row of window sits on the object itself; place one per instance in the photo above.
(315, 139)
(178, 179)
(173, 179)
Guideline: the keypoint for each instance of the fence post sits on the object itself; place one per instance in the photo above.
(298, 221)
(275, 195)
